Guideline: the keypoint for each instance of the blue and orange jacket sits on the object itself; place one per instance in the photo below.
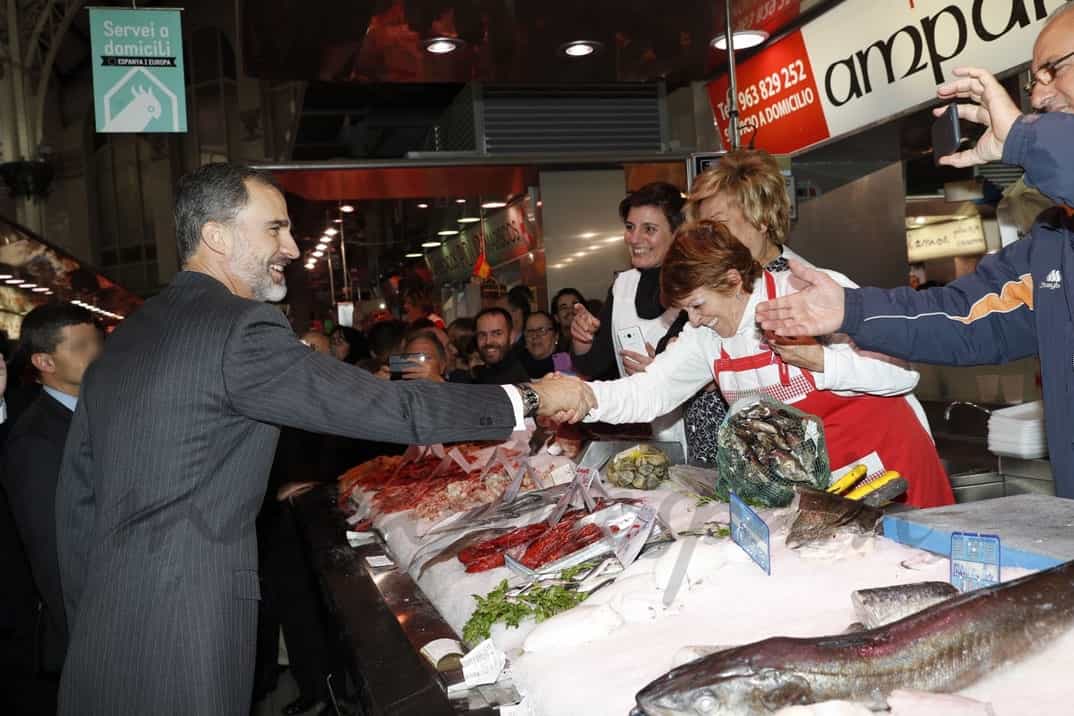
(1018, 303)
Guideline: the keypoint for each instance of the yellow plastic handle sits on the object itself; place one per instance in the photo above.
(848, 480)
(876, 484)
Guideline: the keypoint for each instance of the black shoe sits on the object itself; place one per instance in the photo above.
(300, 706)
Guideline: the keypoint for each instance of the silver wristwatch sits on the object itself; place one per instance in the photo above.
(531, 401)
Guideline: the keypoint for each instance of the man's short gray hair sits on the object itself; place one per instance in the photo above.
(214, 192)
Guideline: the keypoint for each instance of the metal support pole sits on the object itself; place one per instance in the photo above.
(331, 278)
(343, 260)
(18, 81)
(729, 33)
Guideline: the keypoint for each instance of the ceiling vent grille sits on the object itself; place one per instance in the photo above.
(553, 119)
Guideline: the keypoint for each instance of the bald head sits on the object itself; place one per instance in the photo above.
(317, 341)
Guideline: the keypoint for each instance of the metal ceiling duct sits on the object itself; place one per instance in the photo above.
(560, 119)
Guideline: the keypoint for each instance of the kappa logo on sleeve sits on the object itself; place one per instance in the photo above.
(1054, 280)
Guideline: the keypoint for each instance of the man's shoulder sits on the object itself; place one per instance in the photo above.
(40, 418)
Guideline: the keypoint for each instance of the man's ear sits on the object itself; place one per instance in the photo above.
(217, 237)
(43, 362)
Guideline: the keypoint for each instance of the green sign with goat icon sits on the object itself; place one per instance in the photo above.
(138, 74)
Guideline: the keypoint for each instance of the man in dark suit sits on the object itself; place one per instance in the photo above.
(60, 340)
(169, 451)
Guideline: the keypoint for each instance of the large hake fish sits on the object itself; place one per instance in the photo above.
(943, 648)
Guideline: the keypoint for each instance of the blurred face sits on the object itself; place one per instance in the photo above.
(565, 311)
(412, 311)
(719, 311)
(1052, 45)
(317, 341)
(540, 336)
(63, 369)
(428, 348)
(647, 235)
(339, 346)
(726, 210)
(493, 338)
(261, 245)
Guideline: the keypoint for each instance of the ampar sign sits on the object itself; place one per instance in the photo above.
(935, 39)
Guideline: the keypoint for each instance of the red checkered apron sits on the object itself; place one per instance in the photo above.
(853, 426)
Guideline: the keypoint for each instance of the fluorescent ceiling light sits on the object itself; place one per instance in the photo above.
(494, 205)
(423, 205)
(29, 285)
(337, 221)
(581, 48)
(743, 39)
(41, 289)
(331, 231)
(430, 244)
(4, 276)
(442, 45)
(460, 201)
(346, 208)
(447, 232)
(14, 281)
(415, 255)
(318, 254)
(469, 219)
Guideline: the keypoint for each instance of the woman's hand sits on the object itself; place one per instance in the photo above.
(636, 362)
(809, 356)
(583, 328)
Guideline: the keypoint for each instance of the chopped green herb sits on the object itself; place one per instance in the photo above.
(539, 602)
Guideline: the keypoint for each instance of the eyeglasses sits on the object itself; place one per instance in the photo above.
(539, 331)
(1047, 72)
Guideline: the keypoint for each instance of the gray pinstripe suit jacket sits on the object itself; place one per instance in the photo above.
(164, 470)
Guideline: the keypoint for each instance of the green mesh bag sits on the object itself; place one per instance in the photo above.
(765, 449)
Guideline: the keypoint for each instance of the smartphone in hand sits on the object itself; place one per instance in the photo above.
(632, 339)
(400, 362)
(946, 134)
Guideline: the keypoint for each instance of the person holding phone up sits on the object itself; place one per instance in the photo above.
(1019, 302)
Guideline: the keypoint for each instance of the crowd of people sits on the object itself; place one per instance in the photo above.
(133, 467)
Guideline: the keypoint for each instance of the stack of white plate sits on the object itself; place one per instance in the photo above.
(1018, 431)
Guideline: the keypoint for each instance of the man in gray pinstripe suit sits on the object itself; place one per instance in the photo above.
(170, 448)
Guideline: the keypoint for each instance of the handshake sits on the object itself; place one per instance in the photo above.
(564, 399)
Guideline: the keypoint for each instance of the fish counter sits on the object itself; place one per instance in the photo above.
(581, 597)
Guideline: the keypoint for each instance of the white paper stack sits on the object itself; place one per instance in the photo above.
(1018, 431)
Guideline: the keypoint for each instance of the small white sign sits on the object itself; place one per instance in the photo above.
(483, 665)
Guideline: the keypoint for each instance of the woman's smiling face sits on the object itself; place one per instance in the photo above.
(648, 235)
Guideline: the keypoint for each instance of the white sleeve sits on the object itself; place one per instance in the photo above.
(673, 377)
(516, 405)
(847, 369)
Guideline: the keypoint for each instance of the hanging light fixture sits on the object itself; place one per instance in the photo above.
(743, 39)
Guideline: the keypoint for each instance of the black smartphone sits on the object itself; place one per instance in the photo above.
(399, 362)
(946, 134)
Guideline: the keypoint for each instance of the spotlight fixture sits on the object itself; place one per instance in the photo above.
(4, 276)
(347, 208)
(447, 232)
(460, 201)
(13, 281)
(29, 285)
(318, 254)
(430, 244)
(331, 231)
(41, 289)
(743, 39)
(337, 221)
(469, 219)
(442, 45)
(581, 48)
(494, 205)
(415, 255)
(423, 205)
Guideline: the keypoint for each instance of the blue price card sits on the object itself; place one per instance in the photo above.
(974, 560)
(750, 533)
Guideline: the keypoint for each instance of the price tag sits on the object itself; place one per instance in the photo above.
(379, 561)
(483, 664)
(357, 539)
(634, 537)
(974, 560)
(750, 533)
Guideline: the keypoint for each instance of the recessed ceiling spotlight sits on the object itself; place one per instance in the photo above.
(494, 205)
(13, 281)
(423, 205)
(346, 208)
(460, 201)
(4, 276)
(581, 48)
(442, 45)
(430, 244)
(331, 231)
(743, 39)
(318, 254)
(337, 221)
(447, 232)
(415, 255)
(469, 219)
(29, 285)
(41, 289)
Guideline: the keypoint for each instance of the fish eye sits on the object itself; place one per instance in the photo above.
(706, 704)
